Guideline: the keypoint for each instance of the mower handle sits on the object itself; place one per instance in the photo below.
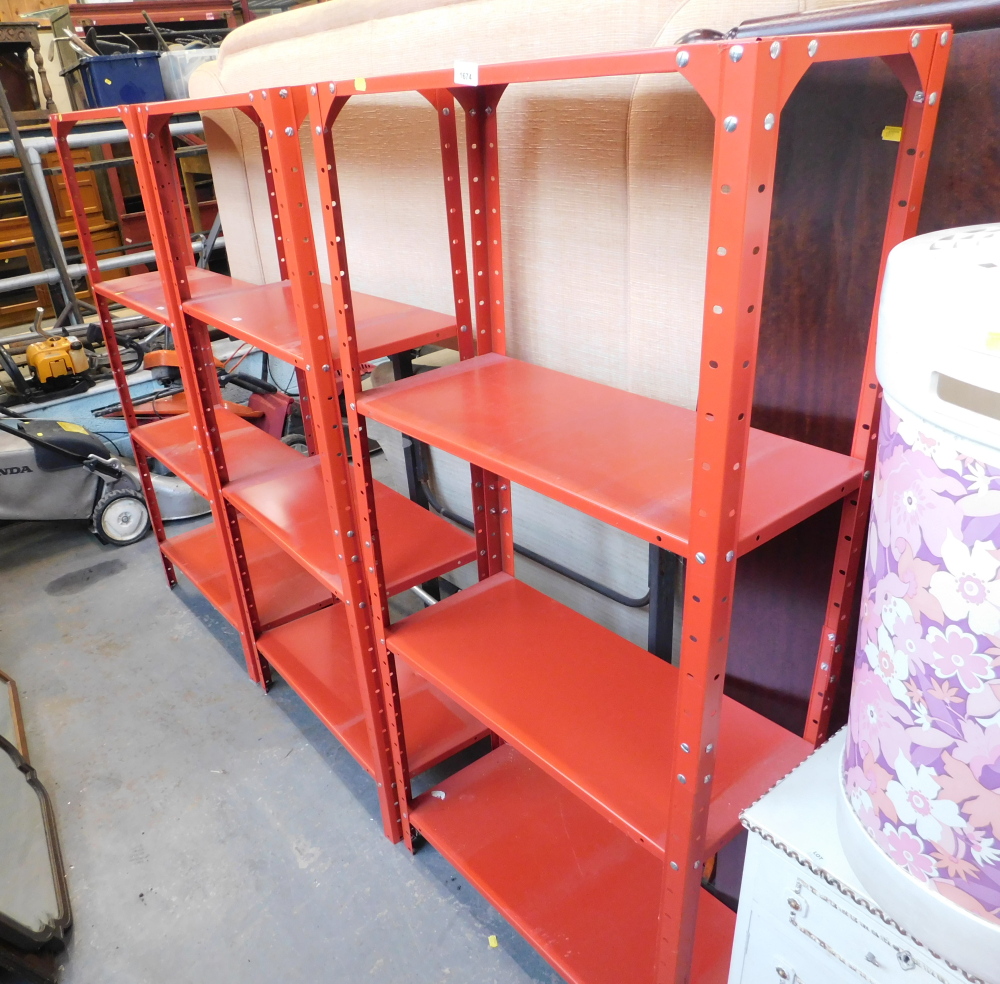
(105, 467)
(259, 386)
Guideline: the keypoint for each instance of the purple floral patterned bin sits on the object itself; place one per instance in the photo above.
(923, 751)
(922, 760)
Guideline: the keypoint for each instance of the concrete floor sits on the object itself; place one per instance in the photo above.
(211, 833)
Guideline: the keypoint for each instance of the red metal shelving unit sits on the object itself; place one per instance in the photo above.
(618, 774)
(279, 559)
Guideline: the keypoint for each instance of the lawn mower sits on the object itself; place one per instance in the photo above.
(51, 469)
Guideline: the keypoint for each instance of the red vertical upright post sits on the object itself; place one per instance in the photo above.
(444, 106)
(283, 111)
(301, 380)
(152, 148)
(491, 498)
(746, 140)
(61, 130)
(923, 80)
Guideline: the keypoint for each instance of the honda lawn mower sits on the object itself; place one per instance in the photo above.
(50, 469)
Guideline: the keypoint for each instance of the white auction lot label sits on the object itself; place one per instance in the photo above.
(466, 73)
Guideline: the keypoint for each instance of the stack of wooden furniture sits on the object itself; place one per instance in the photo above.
(18, 249)
(17, 38)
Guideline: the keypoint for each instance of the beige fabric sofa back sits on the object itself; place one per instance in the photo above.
(605, 185)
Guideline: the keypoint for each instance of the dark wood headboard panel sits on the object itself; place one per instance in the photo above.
(831, 199)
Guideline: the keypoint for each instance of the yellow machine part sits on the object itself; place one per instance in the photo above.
(56, 357)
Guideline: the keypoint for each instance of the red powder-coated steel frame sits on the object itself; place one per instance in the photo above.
(746, 86)
(489, 815)
(904, 214)
(61, 130)
(168, 228)
(265, 495)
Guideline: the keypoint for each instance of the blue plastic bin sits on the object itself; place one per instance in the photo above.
(110, 80)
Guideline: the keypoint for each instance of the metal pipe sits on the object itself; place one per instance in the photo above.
(963, 15)
(114, 162)
(552, 565)
(77, 270)
(30, 279)
(38, 174)
(38, 198)
(214, 234)
(425, 596)
(13, 342)
(93, 138)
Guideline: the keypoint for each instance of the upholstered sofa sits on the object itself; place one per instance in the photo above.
(605, 183)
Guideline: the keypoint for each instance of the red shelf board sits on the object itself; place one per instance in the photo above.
(583, 895)
(265, 317)
(386, 327)
(417, 545)
(623, 458)
(589, 707)
(313, 654)
(176, 403)
(281, 491)
(143, 292)
(248, 451)
(291, 508)
(282, 590)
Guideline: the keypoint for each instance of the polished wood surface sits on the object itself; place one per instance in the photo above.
(18, 251)
(831, 197)
(963, 183)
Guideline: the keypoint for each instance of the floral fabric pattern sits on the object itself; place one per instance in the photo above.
(923, 750)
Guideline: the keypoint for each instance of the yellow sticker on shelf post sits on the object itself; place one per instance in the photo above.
(893, 133)
(360, 84)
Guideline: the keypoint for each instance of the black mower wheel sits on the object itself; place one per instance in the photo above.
(121, 517)
(297, 441)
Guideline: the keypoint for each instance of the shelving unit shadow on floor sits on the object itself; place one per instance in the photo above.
(461, 892)
(615, 775)
(278, 560)
(271, 806)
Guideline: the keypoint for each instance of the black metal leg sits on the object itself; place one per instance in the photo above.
(413, 451)
(402, 364)
(416, 469)
(666, 602)
(415, 459)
